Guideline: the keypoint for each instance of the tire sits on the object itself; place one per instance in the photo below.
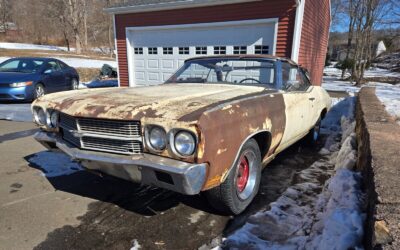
(74, 84)
(237, 191)
(39, 91)
(313, 136)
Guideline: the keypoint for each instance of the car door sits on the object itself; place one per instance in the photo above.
(53, 77)
(298, 106)
(67, 73)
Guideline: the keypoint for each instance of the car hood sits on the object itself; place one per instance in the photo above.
(162, 103)
(11, 77)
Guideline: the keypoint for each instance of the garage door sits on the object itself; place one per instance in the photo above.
(156, 52)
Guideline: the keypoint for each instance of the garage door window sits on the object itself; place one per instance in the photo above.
(168, 51)
(239, 50)
(201, 50)
(138, 51)
(183, 50)
(219, 50)
(261, 49)
(152, 51)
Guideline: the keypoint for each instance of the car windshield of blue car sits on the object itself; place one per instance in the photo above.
(239, 71)
(21, 65)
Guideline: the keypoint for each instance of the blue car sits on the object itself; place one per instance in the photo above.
(29, 78)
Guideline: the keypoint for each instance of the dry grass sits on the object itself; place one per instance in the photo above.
(87, 74)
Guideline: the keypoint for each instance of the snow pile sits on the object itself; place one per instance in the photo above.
(28, 46)
(315, 214)
(54, 164)
(390, 96)
(78, 62)
(136, 245)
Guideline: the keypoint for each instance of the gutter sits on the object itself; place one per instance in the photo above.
(179, 4)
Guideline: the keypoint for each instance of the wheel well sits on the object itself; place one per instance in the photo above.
(261, 139)
(323, 113)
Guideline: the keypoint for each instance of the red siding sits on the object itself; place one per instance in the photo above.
(314, 38)
(285, 10)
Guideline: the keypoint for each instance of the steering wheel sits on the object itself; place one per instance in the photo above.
(250, 79)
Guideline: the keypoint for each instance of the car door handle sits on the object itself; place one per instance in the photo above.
(311, 98)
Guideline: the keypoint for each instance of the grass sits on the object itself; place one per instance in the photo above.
(50, 53)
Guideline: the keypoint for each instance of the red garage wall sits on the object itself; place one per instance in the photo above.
(314, 38)
(285, 10)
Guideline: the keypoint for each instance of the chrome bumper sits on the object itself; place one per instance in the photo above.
(148, 169)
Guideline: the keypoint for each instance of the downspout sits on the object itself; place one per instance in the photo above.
(298, 25)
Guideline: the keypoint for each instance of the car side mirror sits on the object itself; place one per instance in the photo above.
(47, 71)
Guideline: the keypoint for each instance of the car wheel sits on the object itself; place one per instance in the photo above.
(314, 134)
(39, 91)
(74, 84)
(241, 185)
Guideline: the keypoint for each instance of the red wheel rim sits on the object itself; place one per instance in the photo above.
(243, 174)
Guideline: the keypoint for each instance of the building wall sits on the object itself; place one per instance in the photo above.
(285, 10)
(314, 38)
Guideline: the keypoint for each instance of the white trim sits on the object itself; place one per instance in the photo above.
(204, 25)
(130, 61)
(298, 30)
(275, 36)
(129, 52)
(116, 49)
(178, 4)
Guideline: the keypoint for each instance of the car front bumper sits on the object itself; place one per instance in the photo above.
(178, 176)
(21, 93)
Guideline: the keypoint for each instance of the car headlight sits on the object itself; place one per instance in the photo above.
(20, 84)
(185, 143)
(52, 119)
(40, 116)
(157, 138)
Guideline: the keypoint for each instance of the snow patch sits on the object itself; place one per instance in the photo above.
(54, 164)
(79, 62)
(136, 245)
(26, 46)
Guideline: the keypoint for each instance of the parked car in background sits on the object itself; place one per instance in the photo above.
(28, 78)
(108, 77)
(211, 127)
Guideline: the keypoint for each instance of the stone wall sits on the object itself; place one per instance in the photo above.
(378, 138)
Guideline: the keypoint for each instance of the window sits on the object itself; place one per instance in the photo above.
(62, 65)
(153, 51)
(219, 50)
(53, 65)
(239, 50)
(183, 50)
(201, 50)
(226, 70)
(261, 49)
(167, 51)
(293, 78)
(21, 65)
(138, 51)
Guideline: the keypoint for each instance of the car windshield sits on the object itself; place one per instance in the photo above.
(240, 71)
(21, 65)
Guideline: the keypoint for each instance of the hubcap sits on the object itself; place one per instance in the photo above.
(243, 174)
(246, 175)
(39, 91)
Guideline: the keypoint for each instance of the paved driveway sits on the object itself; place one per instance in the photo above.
(15, 112)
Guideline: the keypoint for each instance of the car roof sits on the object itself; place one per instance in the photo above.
(267, 57)
(36, 58)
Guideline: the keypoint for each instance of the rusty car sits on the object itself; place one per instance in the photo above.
(210, 128)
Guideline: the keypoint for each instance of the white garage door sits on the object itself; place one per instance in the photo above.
(156, 52)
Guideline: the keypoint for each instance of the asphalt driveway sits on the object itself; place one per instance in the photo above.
(15, 112)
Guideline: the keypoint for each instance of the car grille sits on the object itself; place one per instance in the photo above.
(114, 136)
